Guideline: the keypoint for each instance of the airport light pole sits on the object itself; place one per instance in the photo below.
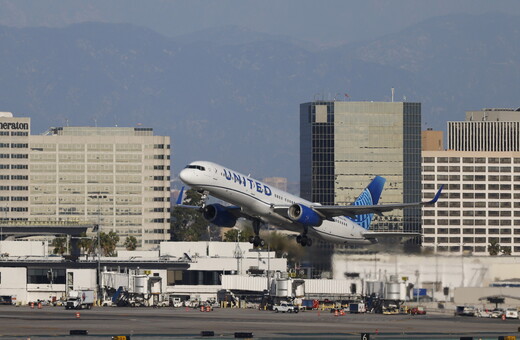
(268, 260)
(98, 228)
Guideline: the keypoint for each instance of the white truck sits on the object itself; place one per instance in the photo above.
(285, 307)
(79, 299)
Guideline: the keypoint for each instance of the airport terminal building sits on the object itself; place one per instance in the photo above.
(117, 177)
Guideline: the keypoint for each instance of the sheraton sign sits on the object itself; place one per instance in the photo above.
(14, 126)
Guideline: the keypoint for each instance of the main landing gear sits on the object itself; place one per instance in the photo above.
(304, 240)
(256, 240)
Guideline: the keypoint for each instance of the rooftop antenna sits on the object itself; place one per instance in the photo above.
(393, 91)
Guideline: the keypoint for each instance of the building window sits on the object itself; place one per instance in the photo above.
(46, 276)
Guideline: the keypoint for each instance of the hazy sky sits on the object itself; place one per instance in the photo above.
(324, 22)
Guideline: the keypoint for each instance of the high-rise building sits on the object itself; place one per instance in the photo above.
(117, 177)
(344, 145)
(480, 171)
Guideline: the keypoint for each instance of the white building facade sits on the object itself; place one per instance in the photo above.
(113, 176)
(481, 175)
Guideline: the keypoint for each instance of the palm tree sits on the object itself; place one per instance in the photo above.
(505, 250)
(493, 247)
(88, 244)
(130, 243)
(60, 245)
(109, 242)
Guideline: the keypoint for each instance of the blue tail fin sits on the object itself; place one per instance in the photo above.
(369, 196)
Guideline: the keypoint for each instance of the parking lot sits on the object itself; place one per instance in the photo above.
(181, 323)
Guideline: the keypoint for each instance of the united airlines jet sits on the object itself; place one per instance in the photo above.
(262, 204)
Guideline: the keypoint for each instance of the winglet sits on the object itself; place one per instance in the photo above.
(437, 195)
(179, 198)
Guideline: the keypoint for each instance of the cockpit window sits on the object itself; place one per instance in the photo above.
(198, 167)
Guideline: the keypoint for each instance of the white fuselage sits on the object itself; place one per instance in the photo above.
(258, 199)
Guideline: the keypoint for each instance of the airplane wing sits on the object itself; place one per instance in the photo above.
(281, 210)
(389, 234)
(330, 211)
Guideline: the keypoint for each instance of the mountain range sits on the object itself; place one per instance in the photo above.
(232, 96)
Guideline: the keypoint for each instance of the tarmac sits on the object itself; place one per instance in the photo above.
(22, 322)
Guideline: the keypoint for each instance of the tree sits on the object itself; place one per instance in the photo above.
(60, 245)
(232, 234)
(505, 250)
(188, 224)
(108, 243)
(130, 243)
(493, 247)
(88, 244)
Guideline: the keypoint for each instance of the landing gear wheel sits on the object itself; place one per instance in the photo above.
(251, 239)
(258, 242)
(303, 240)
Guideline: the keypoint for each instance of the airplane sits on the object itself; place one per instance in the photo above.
(256, 201)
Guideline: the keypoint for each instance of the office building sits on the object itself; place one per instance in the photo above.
(480, 172)
(113, 176)
(343, 145)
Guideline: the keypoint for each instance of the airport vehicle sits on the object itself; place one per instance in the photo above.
(418, 311)
(357, 307)
(285, 307)
(79, 299)
(6, 300)
(465, 311)
(483, 313)
(497, 313)
(262, 204)
(511, 313)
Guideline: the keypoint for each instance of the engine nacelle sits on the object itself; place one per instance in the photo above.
(304, 215)
(219, 215)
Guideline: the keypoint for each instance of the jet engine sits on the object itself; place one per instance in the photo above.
(219, 215)
(304, 215)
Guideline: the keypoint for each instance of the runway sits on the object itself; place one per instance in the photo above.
(180, 323)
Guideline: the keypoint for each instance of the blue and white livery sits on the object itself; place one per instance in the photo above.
(261, 203)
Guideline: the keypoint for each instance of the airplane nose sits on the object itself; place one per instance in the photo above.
(185, 176)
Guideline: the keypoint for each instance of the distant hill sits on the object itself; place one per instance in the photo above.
(232, 96)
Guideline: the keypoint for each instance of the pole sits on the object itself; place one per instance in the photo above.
(268, 260)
